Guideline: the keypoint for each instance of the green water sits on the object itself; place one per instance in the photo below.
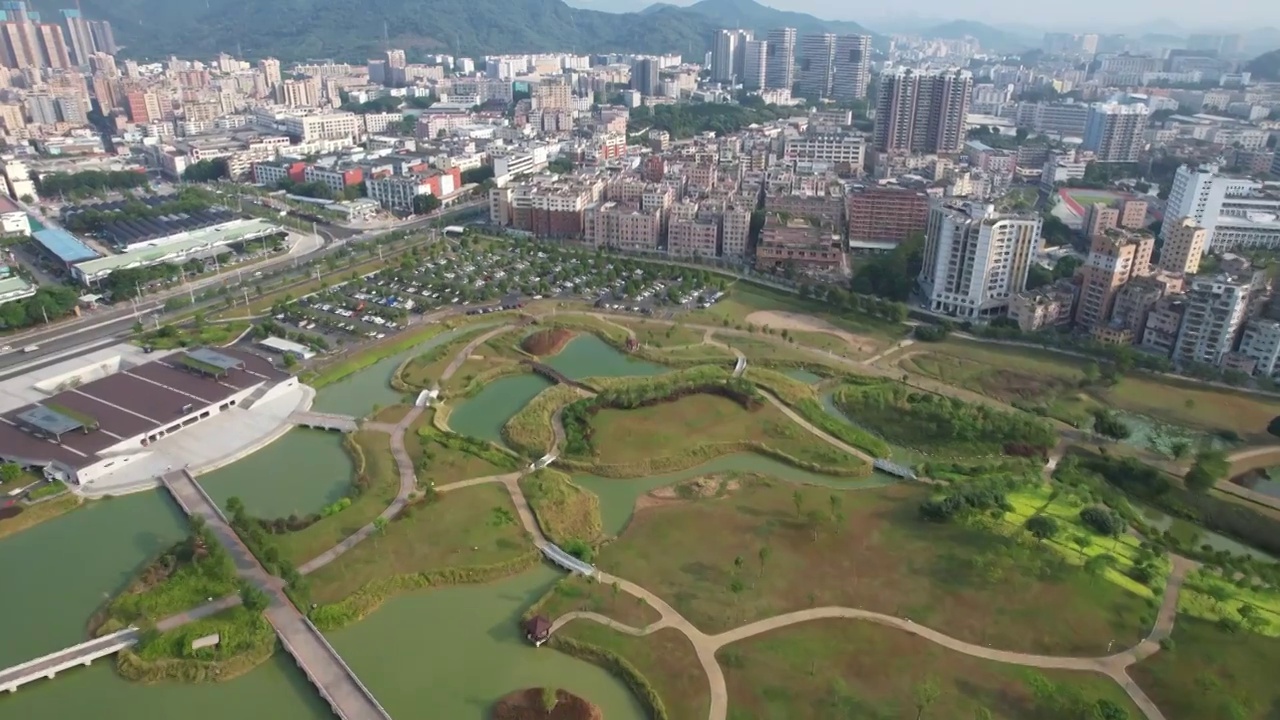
(483, 415)
(299, 473)
(275, 690)
(357, 393)
(804, 376)
(1150, 434)
(589, 356)
(897, 453)
(1199, 536)
(618, 495)
(450, 653)
(57, 573)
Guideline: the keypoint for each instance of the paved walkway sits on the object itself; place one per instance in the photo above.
(466, 352)
(408, 483)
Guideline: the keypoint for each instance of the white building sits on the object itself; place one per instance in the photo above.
(1237, 212)
(1216, 308)
(976, 259)
(13, 221)
(832, 149)
(1262, 343)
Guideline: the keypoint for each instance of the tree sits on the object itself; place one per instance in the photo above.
(425, 203)
(736, 587)
(1098, 564)
(1104, 709)
(10, 472)
(797, 499)
(738, 564)
(290, 360)
(926, 694)
(1211, 466)
(1042, 527)
(1108, 424)
(253, 599)
(1101, 519)
(763, 553)
(550, 698)
(1081, 542)
(235, 506)
(1273, 427)
(380, 526)
(814, 520)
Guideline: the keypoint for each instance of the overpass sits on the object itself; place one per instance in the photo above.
(325, 421)
(328, 672)
(555, 375)
(83, 654)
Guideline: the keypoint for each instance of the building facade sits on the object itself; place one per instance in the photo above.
(976, 259)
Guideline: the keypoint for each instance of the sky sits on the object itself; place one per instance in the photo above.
(1077, 15)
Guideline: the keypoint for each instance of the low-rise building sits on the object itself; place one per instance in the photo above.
(622, 227)
(1043, 307)
(799, 243)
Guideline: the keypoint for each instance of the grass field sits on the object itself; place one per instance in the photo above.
(1053, 380)
(529, 430)
(662, 335)
(425, 369)
(671, 428)
(1211, 673)
(744, 299)
(1197, 599)
(440, 464)
(849, 669)
(565, 511)
(771, 349)
(384, 481)
(1065, 509)
(972, 584)
(33, 515)
(665, 658)
(466, 528)
(576, 592)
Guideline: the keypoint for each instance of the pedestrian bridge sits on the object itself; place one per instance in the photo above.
(740, 367)
(328, 672)
(894, 469)
(83, 654)
(567, 561)
(555, 375)
(325, 421)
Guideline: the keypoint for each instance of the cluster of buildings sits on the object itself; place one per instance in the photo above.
(816, 66)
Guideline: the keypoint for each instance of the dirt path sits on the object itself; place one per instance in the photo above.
(815, 430)
(807, 323)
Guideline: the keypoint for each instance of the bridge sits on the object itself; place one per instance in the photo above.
(894, 469)
(555, 375)
(740, 367)
(324, 421)
(338, 685)
(567, 561)
(83, 654)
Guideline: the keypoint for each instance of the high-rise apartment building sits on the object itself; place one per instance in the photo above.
(815, 56)
(781, 58)
(41, 108)
(851, 69)
(299, 93)
(552, 94)
(79, 39)
(644, 76)
(976, 259)
(728, 55)
(270, 68)
(1184, 245)
(143, 107)
(1115, 132)
(53, 46)
(922, 113)
(755, 63)
(103, 39)
(1216, 308)
(1115, 257)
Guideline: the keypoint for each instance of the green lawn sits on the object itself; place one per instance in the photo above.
(169, 337)
(564, 511)
(666, 659)
(1211, 673)
(849, 669)
(970, 583)
(676, 427)
(663, 335)
(471, 527)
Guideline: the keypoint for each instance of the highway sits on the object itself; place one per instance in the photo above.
(103, 327)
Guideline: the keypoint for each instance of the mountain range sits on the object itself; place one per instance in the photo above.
(313, 29)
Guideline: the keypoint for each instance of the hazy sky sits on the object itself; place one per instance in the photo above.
(1192, 15)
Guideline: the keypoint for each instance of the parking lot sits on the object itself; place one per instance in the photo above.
(479, 280)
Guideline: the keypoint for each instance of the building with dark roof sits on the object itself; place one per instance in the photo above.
(95, 428)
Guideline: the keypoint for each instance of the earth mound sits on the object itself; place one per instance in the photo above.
(531, 703)
(546, 342)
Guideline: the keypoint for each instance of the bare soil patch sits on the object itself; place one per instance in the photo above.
(808, 323)
(528, 704)
(544, 343)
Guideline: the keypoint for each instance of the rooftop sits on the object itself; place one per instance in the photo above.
(183, 244)
(63, 245)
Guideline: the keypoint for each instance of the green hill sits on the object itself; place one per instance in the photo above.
(1266, 66)
(340, 30)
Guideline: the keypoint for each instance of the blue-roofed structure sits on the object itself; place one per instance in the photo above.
(63, 246)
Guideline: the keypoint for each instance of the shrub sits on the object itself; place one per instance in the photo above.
(1108, 424)
(1102, 520)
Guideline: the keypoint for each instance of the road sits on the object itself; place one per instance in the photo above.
(115, 323)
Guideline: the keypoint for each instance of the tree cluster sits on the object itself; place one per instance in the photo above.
(1210, 466)
(685, 120)
(891, 275)
(90, 220)
(1108, 424)
(207, 171)
(51, 301)
(89, 182)
(964, 501)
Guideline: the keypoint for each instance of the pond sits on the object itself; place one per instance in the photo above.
(1197, 536)
(618, 495)
(299, 473)
(452, 652)
(359, 392)
(1151, 434)
(483, 415)
(588, 356)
